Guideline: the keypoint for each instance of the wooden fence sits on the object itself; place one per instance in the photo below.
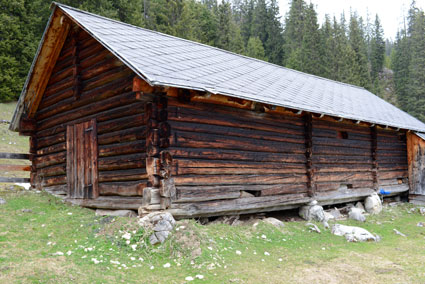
(9, 167)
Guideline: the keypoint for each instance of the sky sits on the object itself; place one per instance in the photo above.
(390, 12)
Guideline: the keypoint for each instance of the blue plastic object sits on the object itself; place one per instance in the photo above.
(383, 192)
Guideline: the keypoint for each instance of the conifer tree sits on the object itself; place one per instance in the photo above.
(255, 48)
(360, 74)
(377, 49)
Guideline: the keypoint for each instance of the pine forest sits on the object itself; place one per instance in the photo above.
(345, 48)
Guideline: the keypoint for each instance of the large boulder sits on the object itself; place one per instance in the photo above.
(356, 214)
(373, 204)
(312, 211)
(160, 224)
(353, 234)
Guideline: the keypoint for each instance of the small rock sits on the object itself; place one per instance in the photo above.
(329, 216)
(356, 214)
(353, 234)
(422, 210)
(360, 206)
(161, 223)
(118, 213)
(162, 235)
(2, 201)
(245, 194)
(312, 212)
(275, 222)
(26, 210)
(420, 224)
(373, 204)
(313, 228)
(399, 233)
(58, 253)
(335, 212)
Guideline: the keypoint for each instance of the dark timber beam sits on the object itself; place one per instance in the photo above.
(308, 128)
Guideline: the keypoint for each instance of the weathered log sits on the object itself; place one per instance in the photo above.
(54, 180)
(122, 162)
(127, 135)
(200, 140)
(239, 179)
(362, 144)
(54, 170)
(52, 149)
(344, 177)
(205, 193)
(225, 154)
(238, 132)
(113, 113)
(167, 188)
(392, 174)
(122, 123)
(92, 101)
(49, 160)
(129, 188)
(328, 150)
(51, 140)
(122, 175)
(151, 196)
(237, 206)
(109, 202)
(332, 186)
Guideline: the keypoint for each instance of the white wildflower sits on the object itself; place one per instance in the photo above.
(210, 248)
(126, 236)
(69, 213)
(127, 242)
(134, 247)
(58, 253)
(152, 267)
(266, 253)
(167, 265)
(280, 259)
(238, 252)
(189, 278)
(199, 276)
(263, 236)
(115, 262)
(132, 258)
(69, 252)
(95, 260)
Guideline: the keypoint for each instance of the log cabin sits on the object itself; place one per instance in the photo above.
(122, 117)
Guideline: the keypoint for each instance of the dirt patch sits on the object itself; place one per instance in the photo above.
(354, 268)
(186, 240)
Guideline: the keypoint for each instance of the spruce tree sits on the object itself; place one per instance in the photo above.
(360, 74)
(255, 48)
(377, 49)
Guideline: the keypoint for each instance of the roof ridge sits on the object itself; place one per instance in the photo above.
(206, 45)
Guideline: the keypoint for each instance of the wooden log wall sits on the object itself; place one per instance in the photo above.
(88, 82)
(342, 156)
(392, 157)
(223, 153)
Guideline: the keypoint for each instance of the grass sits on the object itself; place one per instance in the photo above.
(29, 241)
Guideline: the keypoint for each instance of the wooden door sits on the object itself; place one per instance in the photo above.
(81, 160)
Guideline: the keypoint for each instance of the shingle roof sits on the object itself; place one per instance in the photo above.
(170, 61)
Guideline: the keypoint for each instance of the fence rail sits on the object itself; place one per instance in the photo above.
(10, 167)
